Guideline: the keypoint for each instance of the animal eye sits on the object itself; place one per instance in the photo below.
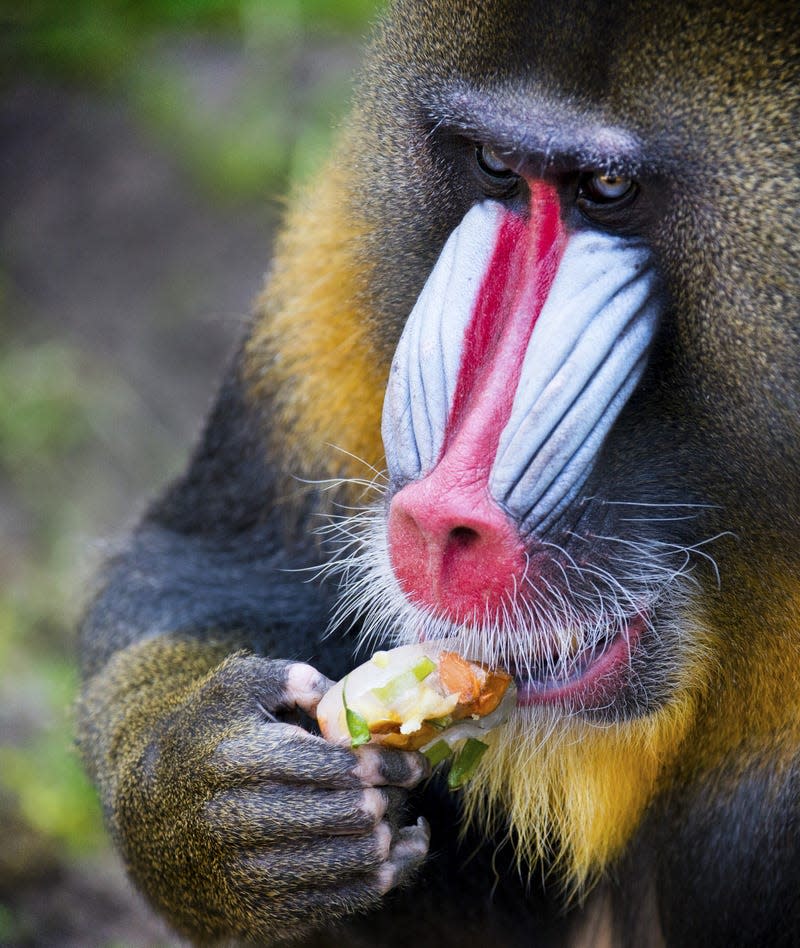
(600, 188)
(607, 199)
(492, 163)
(495, 178)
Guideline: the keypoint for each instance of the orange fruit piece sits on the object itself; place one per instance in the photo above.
(480, 689)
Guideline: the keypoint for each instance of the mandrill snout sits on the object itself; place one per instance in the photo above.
(453, 549)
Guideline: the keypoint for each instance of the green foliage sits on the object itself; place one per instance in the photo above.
(99, 39)
(41, 396)
(8, 926)
(53, 794)
(269, 125)
(44, 418)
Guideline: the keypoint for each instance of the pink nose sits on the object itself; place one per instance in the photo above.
(453, 549)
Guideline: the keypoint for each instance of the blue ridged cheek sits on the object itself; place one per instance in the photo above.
(426, 363)
(585, 356)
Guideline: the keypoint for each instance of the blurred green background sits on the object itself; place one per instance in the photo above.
(145, 148)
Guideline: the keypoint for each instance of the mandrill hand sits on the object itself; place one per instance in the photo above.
(240, 825)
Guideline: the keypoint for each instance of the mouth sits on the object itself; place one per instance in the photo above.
(588, 676)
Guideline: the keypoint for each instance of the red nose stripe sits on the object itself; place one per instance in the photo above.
(454, 550)
(514, 288)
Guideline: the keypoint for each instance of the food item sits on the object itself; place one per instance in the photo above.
(420, 697)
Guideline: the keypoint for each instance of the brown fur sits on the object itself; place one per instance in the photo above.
(312, 336)
(710, 92)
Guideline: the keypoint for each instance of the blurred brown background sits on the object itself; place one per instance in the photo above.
(145, 148)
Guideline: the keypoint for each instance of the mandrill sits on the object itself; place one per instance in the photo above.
(525, 381)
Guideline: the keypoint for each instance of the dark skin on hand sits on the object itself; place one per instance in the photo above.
(535, 323)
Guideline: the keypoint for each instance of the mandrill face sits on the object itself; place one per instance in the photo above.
(516, 361)
(576, 258)
(579, 282)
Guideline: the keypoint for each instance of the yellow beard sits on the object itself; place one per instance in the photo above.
(571, 791)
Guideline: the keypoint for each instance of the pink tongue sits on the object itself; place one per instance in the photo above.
(452, 547)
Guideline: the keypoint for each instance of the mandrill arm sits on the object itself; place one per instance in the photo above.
(233, 819)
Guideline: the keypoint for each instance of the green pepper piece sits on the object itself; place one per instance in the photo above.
(438, 752)
(394, 687)
(423, 668)
(356, 723)
(466, 763)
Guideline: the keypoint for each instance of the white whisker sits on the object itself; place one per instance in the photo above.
(558, 617)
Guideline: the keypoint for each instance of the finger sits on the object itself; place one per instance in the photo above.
(320, 862)
(310, 901)
(252, 817)
(302, 909)
(283, 753)
(408, 851)
(380, 766)
(272, 685)
(305, 686)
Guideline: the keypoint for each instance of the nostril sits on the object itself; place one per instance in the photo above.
(463, 537)
(452, 548)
